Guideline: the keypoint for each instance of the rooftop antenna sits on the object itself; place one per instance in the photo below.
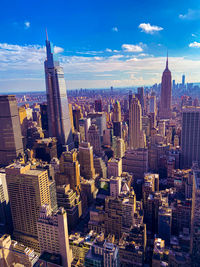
(46, 34)
(167, 60)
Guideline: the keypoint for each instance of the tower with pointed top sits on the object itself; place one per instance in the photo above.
(57, 103)
(166, 94)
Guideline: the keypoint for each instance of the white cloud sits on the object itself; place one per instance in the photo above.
(108, 50)
(194, 35)
(190, 15)
(58, 49)
(148, 28)
(194, 44)
(132, 48)
(27, 24)
(115, 29)
(21, 68)
(98, 58)
(132, 59)
(143, 55)
(92, 53)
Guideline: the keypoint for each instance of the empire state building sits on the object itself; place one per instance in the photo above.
(59, 123)
(166, 94)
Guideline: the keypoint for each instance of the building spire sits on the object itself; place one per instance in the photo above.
(167, 61)
(48, 51)
(46, 35)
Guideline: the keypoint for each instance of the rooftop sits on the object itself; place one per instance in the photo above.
(52, 258)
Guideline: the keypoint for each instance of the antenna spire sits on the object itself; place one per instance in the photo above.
(46, 35)
(167, 61)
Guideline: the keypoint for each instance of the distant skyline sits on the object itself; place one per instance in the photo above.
(99, 43)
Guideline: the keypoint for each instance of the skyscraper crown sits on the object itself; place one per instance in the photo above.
(166, 68)
(49, 59)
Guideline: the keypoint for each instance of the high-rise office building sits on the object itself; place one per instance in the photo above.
(58, 110)
(115, 186)
(102, 253)
(77, 115)
(165, 223)
(53, 233)
(71, 117)
(10, 132)
(84, 125)
(86, 160)
(70, 201)
(117, 112)
(117, 128)
(166, 94)
(195, 220)
(130, 96)
(132, 246)
(69, 170)
(23, 123)
(183, 79)
(95, 139)
(140, 95)
(44, 118)
(119, 213)
(45, 149)
(5, 212)
(136, 135)
(152, 104)
(118, 147)
(100, 167)
(114, 167)
(136, 161)
(148, 187)
(98, 105)
(28, 190)
(99, 118)
(190, 136)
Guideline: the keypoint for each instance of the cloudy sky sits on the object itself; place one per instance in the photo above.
(99, 43)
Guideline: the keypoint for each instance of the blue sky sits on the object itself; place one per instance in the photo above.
(99, 43)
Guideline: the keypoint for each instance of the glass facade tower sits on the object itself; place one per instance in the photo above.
(59, 124)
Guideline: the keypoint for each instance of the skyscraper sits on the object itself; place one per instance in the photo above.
(195, 220)
(28, 190)
(59, 122)
(140, 94)
(10, 132)
(165, 223)
(190, 136)
(95, 139)
(183, 79)
(69, 170)
(5, 212)
(53, 233)
(166, 94)
(117, 112)
(98, 105)
(86, 160)
(152, 104)
(136, 135)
